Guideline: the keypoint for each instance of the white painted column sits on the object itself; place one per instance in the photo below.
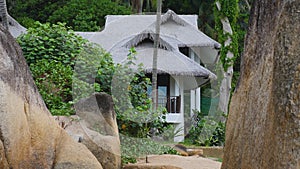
(193, 102)
(180, 126)
(198, 98)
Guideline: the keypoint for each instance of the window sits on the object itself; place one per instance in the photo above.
(163, 86)
(185, 51)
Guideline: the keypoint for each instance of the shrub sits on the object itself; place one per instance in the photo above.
(207, 131)
(54, 80)
(26, 21)
(50, 51)
(53, 42)
(89, 14)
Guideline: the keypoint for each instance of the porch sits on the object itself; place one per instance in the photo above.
(174, 94)
(173, 105)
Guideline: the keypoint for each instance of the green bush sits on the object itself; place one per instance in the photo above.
(26, 21)
(54, 81)
(50, 51)
(81, 15)
(208, 131)
(53, 42)
(38, 10)
(89, 14)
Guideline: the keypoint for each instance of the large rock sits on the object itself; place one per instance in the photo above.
(263, 127)
(99, 124)
(98, 113)
(96, 127)
(29, 136)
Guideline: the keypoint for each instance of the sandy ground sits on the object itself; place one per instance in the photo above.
(189, 162)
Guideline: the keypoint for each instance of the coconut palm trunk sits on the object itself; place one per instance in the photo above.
(3, 13)
(155, 53)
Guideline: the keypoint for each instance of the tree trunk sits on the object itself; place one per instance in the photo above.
(225, 87)
(137, 6)
(3, 13)
(263, 128)
(148, 6)
(155, 53)
(141, 7)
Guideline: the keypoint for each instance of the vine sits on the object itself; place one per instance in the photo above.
(229, 9)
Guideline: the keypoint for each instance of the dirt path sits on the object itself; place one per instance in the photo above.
(190, 162)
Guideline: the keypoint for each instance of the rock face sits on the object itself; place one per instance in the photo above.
(96, 127)
(263, 127)
(29, 136)
(98, 113)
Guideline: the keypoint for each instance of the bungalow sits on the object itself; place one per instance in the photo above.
(184, 56)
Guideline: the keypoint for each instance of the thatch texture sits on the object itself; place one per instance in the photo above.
(171, 15)
(126, 31)
(138, 39)
(173, 63)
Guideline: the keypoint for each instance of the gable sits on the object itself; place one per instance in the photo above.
(172, 16)
(147, 37)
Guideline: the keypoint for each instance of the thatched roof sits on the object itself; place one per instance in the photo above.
(173, 63)
(125, 31)
(181, 27)
(163, 41)
(171, 15)
(187, 34)
(170, 62)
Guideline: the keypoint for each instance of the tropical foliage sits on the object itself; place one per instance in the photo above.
(50, 51)
(207, 130)
(88, 16)
(55, 42)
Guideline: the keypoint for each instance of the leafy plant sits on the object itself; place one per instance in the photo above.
(89, 14)
(26, 21)
(50, 51)
(230, 10)
(38, 10)
(54, 80)
(53, 42)
(207, 131)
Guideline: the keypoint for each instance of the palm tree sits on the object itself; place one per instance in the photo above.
(3, 13)
(155, 53)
